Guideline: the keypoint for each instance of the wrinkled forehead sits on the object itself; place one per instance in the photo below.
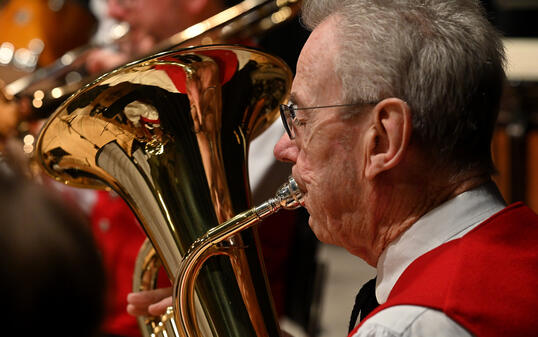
(316, 79)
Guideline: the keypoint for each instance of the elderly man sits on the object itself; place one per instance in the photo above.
(389, 127)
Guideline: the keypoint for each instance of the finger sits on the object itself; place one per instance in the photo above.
(137, 311)
(159, 308)
(145, 298)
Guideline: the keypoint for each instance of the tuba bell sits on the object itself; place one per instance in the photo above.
(170, 134)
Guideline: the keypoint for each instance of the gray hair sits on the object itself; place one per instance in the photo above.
(442, 57)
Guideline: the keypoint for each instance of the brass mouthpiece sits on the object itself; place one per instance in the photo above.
(288, 197)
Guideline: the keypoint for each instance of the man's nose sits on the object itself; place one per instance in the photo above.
(285, 149)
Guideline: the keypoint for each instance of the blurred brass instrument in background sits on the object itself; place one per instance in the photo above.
(35, 33)
(48, 87)
(32, 35)
(170, 134)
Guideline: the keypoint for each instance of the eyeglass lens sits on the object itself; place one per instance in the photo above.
(286, 115)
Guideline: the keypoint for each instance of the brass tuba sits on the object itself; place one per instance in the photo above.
(170, 134)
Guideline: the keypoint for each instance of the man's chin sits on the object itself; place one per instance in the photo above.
(312, 223)
(320, 235)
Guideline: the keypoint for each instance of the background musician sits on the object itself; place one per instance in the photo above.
(150, 22)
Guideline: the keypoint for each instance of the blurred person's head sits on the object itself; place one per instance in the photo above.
(162, 18)
(52, 277)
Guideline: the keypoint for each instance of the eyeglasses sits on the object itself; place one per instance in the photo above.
(288, 113)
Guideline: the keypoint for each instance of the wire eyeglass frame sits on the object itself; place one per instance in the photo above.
(288, 113)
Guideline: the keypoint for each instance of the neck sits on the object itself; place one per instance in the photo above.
(399, 203)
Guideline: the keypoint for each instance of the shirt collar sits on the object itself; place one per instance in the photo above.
(446, 222)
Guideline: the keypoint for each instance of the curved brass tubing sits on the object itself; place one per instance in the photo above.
(287, 197)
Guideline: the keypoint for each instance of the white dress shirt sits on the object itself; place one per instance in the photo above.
(265, 173)
(449, 221)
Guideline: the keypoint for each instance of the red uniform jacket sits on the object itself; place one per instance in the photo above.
(486, 281)
(119, 237)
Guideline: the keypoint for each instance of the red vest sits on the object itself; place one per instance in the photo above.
(486, 281)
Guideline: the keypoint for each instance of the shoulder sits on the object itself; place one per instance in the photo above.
(410, 321)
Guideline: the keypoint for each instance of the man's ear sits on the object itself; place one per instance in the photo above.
(388, 138)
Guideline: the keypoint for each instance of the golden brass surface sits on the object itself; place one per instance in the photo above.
(170, 134)
(287, 197)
